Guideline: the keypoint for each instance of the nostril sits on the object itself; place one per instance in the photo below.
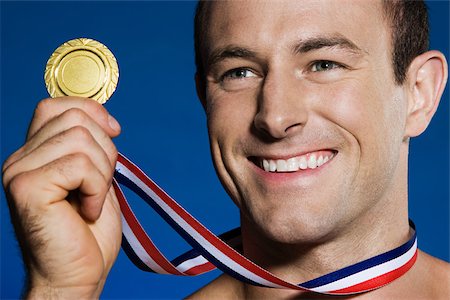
(278, 124)
(272, 128)
(293, 126)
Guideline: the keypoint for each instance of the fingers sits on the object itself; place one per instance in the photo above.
(50, 124)
(68, 128)
(41, 188)
(58, 187)
(49, 108)
(71, 118)
(77, 139)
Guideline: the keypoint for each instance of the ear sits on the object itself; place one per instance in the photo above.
(426, 79)
(201, 89)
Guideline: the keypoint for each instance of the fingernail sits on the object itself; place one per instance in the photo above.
(113, 123)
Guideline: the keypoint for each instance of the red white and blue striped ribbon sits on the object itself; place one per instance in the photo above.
(222, 252)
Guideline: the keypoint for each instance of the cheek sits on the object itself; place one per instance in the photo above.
(368, 113)
(371, 118)
(230, 116)
(355, 109)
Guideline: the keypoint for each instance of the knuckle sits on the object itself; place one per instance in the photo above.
(5, 165)
(80, 134)
(76, 115)
(82, 161)
(43, 107)
(8, 162)
(6, 176)
(96, 107)
(42, 114)
(8, 170)
(18, 186)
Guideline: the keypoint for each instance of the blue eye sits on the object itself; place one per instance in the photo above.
(238, 74)
(239, 79)
(324, 65)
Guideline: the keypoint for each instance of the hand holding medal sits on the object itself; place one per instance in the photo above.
(68, 220)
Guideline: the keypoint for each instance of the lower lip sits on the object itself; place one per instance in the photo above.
(307, 174)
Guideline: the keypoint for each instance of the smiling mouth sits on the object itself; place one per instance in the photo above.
(306, 161)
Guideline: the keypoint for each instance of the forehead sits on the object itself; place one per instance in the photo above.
(273, 24)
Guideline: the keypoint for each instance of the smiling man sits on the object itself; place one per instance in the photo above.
(310, 108)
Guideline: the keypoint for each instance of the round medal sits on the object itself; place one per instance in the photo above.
(82, 67)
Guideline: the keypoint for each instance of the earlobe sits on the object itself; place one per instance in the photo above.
(426, 80)
(201, 90)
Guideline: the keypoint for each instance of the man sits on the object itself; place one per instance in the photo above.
(309, 117)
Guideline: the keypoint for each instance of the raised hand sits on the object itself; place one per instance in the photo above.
(62, 205)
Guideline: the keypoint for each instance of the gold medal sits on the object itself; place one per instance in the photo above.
(82, 67)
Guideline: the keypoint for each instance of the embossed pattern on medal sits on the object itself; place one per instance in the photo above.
(109, 76)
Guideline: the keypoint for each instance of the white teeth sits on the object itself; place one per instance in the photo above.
(266, 165)
(272, 166)
(320, 161)
(303, 163)
(312, 162)
(281, 165)
(293, 164)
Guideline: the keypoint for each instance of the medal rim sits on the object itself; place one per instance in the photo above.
(101, 51)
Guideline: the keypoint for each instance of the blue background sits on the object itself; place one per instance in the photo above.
(163, 125)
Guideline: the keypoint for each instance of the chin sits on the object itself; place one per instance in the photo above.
(294, 225)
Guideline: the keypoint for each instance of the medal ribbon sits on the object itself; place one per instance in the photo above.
(210, 251)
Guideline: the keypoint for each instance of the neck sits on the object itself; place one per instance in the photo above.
(384, 227)
(303, 262)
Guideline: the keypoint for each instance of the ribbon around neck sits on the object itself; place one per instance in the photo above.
(210, 251)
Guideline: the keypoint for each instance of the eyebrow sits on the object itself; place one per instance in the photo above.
(229, 51)
(316, 43)
(303, 46)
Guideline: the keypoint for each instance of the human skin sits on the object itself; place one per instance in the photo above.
(39, 175)
(69, 241)
(273, 91)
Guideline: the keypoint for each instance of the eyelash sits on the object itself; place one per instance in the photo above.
(335, 65)
(231, 74)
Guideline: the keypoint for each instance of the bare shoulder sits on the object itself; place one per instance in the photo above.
(435, 274)
(223, 287)
(435, 266)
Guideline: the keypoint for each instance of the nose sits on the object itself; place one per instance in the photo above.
(281, 109)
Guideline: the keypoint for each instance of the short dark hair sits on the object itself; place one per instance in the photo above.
(408, 20)
(199, 36)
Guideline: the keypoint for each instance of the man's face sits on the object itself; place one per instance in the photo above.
(305, 120)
